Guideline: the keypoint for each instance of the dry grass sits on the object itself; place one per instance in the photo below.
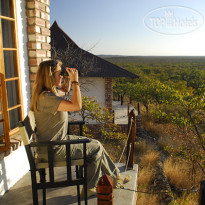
(145, 154)
(159, 129)
(144, 176)
(140, 147)
(144, 199)
(150, 158)
(188, 199)
(166, 140)
(178, 173)
(114, 151)
(147, 158)
(151, 127)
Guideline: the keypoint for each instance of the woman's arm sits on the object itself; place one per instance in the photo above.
(76, 101)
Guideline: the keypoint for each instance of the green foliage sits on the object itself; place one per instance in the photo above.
(89, 106)
(92, 110)
(176, 86)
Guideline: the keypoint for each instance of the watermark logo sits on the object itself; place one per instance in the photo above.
(173, 20)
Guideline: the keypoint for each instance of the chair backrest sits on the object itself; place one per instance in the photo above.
(27, 128)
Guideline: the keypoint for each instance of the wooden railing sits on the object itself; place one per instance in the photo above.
(4, 119)
(131, 138)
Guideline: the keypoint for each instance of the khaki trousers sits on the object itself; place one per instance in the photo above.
(98, 160)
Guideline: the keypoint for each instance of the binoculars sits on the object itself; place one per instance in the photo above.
(64, 73)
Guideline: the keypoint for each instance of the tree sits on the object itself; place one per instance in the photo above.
(120, 87)
(92, 110)
(188, 117)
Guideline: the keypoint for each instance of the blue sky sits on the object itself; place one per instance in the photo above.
(133, 27)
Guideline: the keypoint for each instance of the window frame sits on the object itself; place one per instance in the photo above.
(16, 63)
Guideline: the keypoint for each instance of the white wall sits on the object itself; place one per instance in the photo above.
(12, 168)
(22, 38)
(93, 87)
(15, 165)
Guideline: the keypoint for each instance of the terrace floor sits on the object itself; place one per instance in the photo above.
(121, 112)
(21, 192)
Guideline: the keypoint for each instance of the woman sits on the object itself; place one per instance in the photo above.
(50, 111)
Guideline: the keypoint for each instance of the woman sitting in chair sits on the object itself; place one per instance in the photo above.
(50, 111)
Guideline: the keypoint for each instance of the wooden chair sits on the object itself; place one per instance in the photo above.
(27, 130)
(80, 125)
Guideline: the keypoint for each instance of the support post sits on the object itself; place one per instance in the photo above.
(138, 126)
(130, 99)
(202, 193)
(131, 139)
(105, 190)
(138, 108)
(113, 114)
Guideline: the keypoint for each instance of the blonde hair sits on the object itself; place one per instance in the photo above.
(44, 81)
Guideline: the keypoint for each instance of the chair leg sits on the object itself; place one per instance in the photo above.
(42, 173)
(34, 188)
(78, 186)
(85, 185)
(85, 194)
(78, 193)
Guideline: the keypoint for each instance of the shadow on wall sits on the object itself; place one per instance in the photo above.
(3, 180)
(22, 35)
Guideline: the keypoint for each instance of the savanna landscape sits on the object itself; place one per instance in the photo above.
(171, 95)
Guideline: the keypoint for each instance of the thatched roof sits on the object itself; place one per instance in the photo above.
(89, 65)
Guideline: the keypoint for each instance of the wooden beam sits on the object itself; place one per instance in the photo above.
(5, 116)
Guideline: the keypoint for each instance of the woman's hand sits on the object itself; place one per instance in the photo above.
(73, 74)
(75, 104)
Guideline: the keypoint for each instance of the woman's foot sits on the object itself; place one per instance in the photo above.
(90, 192)
(122, 179)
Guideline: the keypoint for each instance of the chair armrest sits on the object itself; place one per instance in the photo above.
(62, 142)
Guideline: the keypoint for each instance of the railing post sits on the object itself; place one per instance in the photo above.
(138, 108)
(138, 126)
(105, 190)
(202, 193)
(131, 139)
(128, 109)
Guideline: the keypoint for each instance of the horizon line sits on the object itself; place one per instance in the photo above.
(150, 55)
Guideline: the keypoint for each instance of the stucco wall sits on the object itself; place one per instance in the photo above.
(12, 168)
(22, 38)
(93, 87)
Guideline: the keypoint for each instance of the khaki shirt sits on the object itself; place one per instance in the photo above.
(51, 124)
